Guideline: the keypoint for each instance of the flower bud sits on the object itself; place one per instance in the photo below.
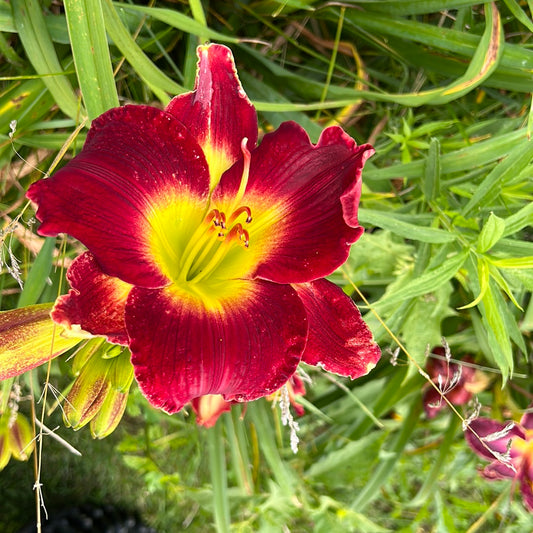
(16, 437)
(100, 391)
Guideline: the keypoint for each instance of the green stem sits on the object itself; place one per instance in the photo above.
(239, 450)
(284, 477)
(217, 464)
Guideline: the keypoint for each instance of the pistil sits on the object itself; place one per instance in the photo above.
(218, 233)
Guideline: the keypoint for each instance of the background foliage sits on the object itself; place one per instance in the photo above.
(441, 88)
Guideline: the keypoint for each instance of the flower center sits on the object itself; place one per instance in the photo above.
(202, 247)
(211, 243)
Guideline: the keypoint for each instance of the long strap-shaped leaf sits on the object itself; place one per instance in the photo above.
(158, 81)
(483, 63)
(31, 27)
(91, 55)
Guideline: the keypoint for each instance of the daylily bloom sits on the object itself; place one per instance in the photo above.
(509, 447)
(455, 381)
(207, 253)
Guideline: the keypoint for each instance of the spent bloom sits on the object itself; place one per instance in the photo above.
(456, 381)
(207, 252)
(509, 447)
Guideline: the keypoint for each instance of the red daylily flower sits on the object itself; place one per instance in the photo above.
(207, 252)
(509, 447)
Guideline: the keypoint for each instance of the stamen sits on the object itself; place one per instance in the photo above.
(235, 215)
(245, 172)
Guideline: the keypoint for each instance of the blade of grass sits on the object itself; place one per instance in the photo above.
(40, 270)
(31, 27)
(389, 458)
(88, 40)
(179, 21)
(517, 160)
(158, 81)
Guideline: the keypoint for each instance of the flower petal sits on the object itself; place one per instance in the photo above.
(136, 160)
(498, 470)
(495, 435)
(339, 341)
(303, 200)
(218, 112)
(95, 303)
(526, 485)
(29, 338)
(244, 347)
(527, 420)
(208, 408)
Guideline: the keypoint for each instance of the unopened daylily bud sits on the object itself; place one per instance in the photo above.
(28, 338)
(16, 438)
(87, 393)
(110, 414)
(84, 353)
(21, 438)
(99, 393)
(5, 452)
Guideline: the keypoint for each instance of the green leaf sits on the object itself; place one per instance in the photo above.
(426, 283)
(391, 222)
(38, 275)
(179, 21)
(422, 323)
(88, 40)
(431, 185)
(518, 158)
(519, 220)
(491, 233)
(158, 81)
(513, 262)
(483, 275)
(31, 27)
(493, 310)
(354, 459)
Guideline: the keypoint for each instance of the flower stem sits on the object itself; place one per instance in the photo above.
(217, 464)
(263, 423)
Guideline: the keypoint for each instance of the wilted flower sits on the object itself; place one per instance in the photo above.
(455, 381)
(207, 253)
(509, 447)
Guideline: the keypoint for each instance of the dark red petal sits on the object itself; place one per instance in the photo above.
(527, 420)
(244, 347)
(218, 112)
(498, 470)
(433, 402)
(486, 427)
(136, 158)
(96, 302)
(526, 484)
(339, 341)
(303, 200)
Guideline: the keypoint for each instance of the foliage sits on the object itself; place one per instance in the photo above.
(441, 90)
